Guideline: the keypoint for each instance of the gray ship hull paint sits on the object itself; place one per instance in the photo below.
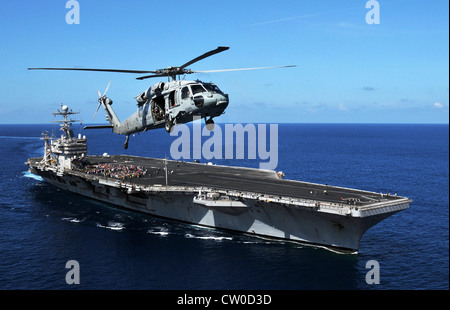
(342, 230)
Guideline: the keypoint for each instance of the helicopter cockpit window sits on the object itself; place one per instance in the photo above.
(197, 89)
(212, 88)
(185, 93)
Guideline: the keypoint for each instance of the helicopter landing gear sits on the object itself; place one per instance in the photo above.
(125, 145)
(168, 125)
(209, 124)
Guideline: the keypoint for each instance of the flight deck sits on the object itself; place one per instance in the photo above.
(180, 173)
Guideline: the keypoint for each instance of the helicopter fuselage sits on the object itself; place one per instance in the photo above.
(169, 104)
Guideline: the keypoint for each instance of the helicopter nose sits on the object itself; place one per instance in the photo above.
(222, 100)
(215, 101)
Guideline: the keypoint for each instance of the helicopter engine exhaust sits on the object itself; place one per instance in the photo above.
(141, 99)
(155, 90)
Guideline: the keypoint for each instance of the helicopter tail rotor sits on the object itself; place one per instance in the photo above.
(101, 98)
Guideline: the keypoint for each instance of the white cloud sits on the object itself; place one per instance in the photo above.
(346, 25)
(438, 105)
(342, 107)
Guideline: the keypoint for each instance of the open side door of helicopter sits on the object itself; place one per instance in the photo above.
(158, 108)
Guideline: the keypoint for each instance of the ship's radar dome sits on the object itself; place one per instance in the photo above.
(65, 108)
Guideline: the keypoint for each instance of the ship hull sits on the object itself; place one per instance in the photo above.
(260, 218)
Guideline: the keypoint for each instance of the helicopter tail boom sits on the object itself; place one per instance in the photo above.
(111, 116)
(98, 127)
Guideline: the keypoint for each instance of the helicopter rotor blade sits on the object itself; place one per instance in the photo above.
(99, 103)
(242, 69)
(91, 69)
(210, 53)
(170, 71)
(107, 87)
(150, 76)
(100, 100)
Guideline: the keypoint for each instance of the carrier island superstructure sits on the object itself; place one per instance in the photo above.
(251, 201)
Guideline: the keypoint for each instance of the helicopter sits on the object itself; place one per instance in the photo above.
(167, 104)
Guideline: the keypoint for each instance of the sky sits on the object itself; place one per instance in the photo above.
(347, 71)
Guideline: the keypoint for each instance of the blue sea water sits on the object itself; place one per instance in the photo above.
(43, 227)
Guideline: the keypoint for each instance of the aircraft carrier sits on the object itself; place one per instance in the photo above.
(251, 201)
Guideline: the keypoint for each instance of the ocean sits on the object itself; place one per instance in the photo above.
(42, 227)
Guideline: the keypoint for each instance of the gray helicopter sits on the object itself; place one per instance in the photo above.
(167, 104)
